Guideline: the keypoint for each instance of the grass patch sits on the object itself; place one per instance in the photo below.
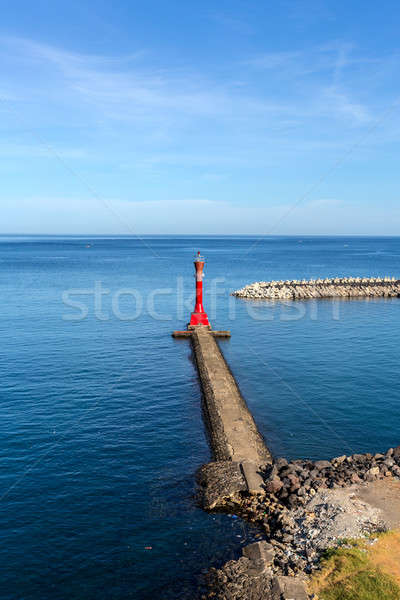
(360, 570)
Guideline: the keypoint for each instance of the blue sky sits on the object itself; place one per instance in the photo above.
(200, 117)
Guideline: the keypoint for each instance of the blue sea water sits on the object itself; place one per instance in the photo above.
(100, 415)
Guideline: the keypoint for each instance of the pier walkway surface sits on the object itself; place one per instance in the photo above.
(233, 432)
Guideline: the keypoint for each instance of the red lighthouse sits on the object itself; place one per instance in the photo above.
(199, 317)
(199, 324)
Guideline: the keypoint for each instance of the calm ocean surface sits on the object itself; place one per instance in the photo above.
(101, 430)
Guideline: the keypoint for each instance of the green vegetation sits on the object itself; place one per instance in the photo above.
(359, 570)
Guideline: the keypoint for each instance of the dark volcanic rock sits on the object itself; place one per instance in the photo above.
(281, 462)
(294, 482)
(235, 581)
(322, 464)
(273, 485)
(396, 452)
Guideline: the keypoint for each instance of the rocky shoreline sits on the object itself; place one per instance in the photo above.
(305, 508)
(339, 287)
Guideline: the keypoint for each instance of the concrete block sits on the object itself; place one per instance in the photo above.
(259, 551)
(254, 481)
(288, 588)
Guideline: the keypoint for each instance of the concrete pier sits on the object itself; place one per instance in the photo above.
(238, 448)
(233, 432)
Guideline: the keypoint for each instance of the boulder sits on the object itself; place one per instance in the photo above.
(358, 457)
(294, 482)
(372, 473)
(323, 464)
(281, 462)
(396, 452)
(396, 471)
(261, 555)
(339, 459)
(274, 485)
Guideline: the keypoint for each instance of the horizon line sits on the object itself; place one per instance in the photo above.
(258, 235)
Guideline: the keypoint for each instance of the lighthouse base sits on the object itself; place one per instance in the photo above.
(187, 333)
(198, 318)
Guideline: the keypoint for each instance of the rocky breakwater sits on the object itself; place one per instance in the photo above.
(305, 508)
(339, 287)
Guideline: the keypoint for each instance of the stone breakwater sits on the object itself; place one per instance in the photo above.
(305, 507)
(347, 287)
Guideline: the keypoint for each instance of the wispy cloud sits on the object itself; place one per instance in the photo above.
(339, 82)
(339, 103)
(125, 89)
(125, 82)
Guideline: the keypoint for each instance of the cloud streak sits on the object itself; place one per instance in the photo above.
(124, 88)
